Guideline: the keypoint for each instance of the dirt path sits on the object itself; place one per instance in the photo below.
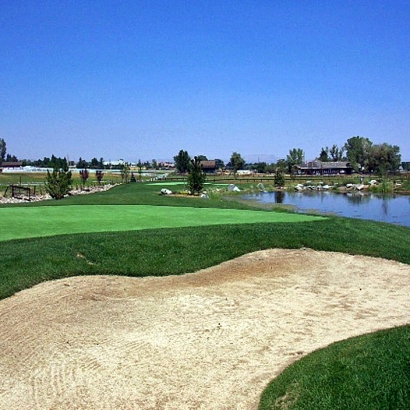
(209, 340)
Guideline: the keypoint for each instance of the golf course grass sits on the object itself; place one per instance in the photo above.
(122, 238)
(33, 222)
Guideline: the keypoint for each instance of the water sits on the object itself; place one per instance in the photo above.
(393, 209)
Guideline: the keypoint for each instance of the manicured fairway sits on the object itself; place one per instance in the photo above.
(31, 222)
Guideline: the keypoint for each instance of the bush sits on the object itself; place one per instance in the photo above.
(58, 183)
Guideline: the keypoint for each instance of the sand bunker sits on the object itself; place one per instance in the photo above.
(209, 340)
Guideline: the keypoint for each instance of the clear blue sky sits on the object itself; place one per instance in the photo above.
(143, 79)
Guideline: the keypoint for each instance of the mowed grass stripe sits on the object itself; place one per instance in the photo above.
(19, 223)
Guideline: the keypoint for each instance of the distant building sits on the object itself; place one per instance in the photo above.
(209, 167)
(318, 167)
(10, 165)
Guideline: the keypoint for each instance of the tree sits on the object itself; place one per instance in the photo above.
(82, 163)
(296, 157)
(202, 157)
(58, 183)
(324, 155)
(279, 179)
(95, 164)
(3, 150)
(182, 161)
(139, 165)
(99, 175)
(384, 158)
(261, 167)
(84, 174)
(237, 162)
(154, 164)
(125, 172)
(196, 177)
(336, 153)
(358, 152)
(11, 158)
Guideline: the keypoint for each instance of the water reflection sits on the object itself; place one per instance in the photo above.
(387, 208)
(279, 197)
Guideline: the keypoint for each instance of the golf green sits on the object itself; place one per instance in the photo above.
(30, 222)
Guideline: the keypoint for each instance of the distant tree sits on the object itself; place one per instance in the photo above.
(125, 172)
(84, 174)
(260, 167)
(58, 183)
(282, 164)
(95, 164)
(336, 153)
(196, 177)
(182, 161)
(11, 158)
(279, 179)
(139, 165)
(154, 164)
(219, 164)
(237, 162)
(296, 157)
(202, 158)
(3, 150)
(324, 155)
(358, 152)
(384, 158)
(99, 175)
(82, 163)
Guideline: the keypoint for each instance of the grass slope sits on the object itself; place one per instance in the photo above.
(366, 372)
(32, 222)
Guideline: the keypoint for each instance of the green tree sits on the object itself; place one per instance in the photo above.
(237, 162)
(202, 157)
(3, 150)
(59, 182)
(336, 153)
(261, 167)
(279, 179)
(125, 172)
(11, 158)
(154, 164)
(296, 157)
(324, 154)
(358, 152)
(196, 177)
(384, 158)
(139, 165)
(82, 163)
(182, 161)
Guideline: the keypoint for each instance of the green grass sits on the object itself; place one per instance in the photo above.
(366, 372)
(18, 223)
(375, 367)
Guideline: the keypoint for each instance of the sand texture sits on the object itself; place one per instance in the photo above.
(206, 340)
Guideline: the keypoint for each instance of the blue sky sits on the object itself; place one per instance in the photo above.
(144, 79)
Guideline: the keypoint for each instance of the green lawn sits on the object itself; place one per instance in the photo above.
(376, 368)
(32, 222)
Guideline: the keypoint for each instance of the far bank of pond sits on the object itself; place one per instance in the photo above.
(393, 209)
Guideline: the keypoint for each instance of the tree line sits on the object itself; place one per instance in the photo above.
(359, 152)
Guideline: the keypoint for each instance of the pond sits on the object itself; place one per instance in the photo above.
(393, 209)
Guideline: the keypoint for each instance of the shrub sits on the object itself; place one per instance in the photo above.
(58, 183)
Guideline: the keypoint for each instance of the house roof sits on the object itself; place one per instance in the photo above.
(325, 165)
(11, 164)
(208, 164)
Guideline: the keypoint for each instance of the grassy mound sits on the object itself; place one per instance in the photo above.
(366, 372)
